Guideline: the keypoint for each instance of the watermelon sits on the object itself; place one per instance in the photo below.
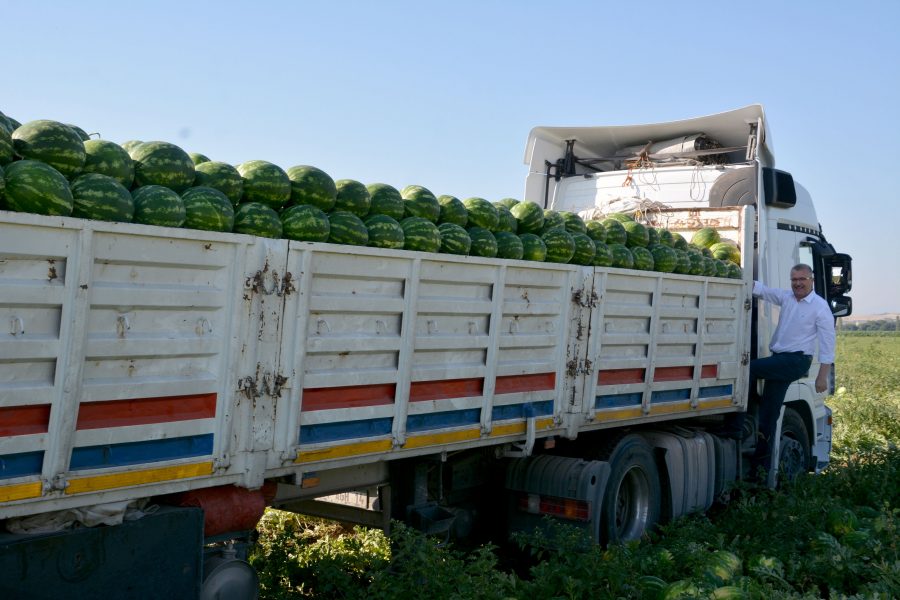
(108, 158)
(709, 266)
(726, 250)
(552, 220)
(584, 249)
(82, 134)
(158, 205)
(265, 183)
(207, 209)
(533, 247)
(386, 200)
(509, 245)
(2, 189)
(7, 154)
(615, 232)
(560, 245)
(678, 241)
(506, 203)
(664, 258)
(602, 255)
(529, 215)
(453, 211)
(8, 124)
(637, 235)
(697, 266)
(384, 231)
(573, 223)
(198, 158)
(705, 237)
(596, 231)
(454, 239)
(256, 218)
(705, 252)
(162, 163)
(721, 267)
(505, 221)
(305, 223)
(420, 202)
(352, 196)
(420, 234)
(620, 217)
(621, 256)
(665, 236)
(130, 145)
(101, 198)
(683, 261)
(481, 213)
(36, 187)
(221, 176)
(483, 241)
(313, 186)
(50, 142)
(643, 259)
(347, 228)
(734, 271)
(721, 566)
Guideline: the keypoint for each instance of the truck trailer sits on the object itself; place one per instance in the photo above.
(160, 387)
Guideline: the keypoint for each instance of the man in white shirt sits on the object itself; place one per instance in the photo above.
(805, 321)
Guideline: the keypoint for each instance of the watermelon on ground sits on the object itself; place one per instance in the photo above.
(221, 176)
(108, 158)
(530, 217)
(705, 237)
(560, 245)
(665, 259)
(533, 247)
(306, 223)
(158, 205)
(420, 234)
(197, 158)
(483, 241)
(454, 239)
(101, 198)
(347, 228)
(420, 202)
(256, 218)
(584, 249)
(313, 186)
(621, 256)
(162, 163)
(602, 255)
(453, 211)
(506, 222)
(481, 213)
(265, 183)
(615, 232)
(384, 232)
(509, 245)
(7, 154)
(207, 209)
(596, 231)
(50, 142)
(352, 196)
(36, 187)
(386, 200)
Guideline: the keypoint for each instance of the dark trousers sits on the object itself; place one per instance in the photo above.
(778, 370)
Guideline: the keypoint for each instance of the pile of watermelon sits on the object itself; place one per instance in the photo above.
(51, 168)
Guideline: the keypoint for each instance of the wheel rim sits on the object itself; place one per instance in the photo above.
(793, 458)
(632, 505)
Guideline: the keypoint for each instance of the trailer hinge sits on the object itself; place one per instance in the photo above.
(583, 300)
(247, 386)
(577, 367)
(270, 283)
(747, 304)
(745, 359)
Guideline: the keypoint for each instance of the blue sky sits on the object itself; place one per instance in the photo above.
(444, 94)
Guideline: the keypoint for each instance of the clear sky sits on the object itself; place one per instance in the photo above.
(443, 94)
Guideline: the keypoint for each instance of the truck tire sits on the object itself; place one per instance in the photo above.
(794, 451)
(631, 504)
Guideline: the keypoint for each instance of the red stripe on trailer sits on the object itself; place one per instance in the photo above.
(673, 373)
(144, 411)
(614, 376)
(511, 384)
(709, 372)
(445, 388)
(24, 420)
(348, 396)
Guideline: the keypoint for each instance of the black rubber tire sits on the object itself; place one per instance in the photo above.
(734, 188)
(631, 503)
(795, 453)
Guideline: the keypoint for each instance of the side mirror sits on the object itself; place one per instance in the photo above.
(839, 273)
(841, 306)
(778, 188)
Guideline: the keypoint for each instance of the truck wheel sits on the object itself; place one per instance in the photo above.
(794, 452)
(631, 503)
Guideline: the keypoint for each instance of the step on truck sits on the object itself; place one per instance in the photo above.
(160, 387)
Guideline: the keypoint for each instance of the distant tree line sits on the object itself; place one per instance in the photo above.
(875, 325)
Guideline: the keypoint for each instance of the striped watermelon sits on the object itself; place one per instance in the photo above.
(36, 187)
(420, 202)
(51, 142)
(101, 198)
(705, 237)
(552, 220)
(207, 209)
(505, 221)
(721, 267)
(682, 261)
(454, 239)
(265, 183)
(158, 205)
(560, 245)
(506, 203)
(483, 241)
(573, 223)
(726, 250)
(678, 241)
(481, 213)
(2, 189)
(697, 265)
(108, 158)
(665, 259)
(453, 211)
(621, 256)
(509, 245)
(665, 237)
(130, 145)
(162, 163)
(82, 134)
(386, 200)
(652, 236)
(420, 234)
(615, 232)
(596, 231)
(385, 231)
(533, 247)
(256, 218)
(636, 234)
(709, 266)
(530, 217)
(643, 259)
(8, 124)
(353, 197)
(602, 255)
(313, 186)
(7, 153)
(347, 228)
(620, 217)
(584, 249)
(197, 158)
(223, 177)
(306, 223)
(734, 271)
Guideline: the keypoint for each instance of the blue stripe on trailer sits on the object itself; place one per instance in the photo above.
(19, 465)
(455, 418)
(670, 395)
(344, 430)
(134, 453)
(525, 410)
(715, 391)
(618, 400)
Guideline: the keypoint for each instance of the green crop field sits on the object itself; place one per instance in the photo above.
(833, 535)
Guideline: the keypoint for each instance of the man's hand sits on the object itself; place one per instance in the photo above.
(822, 378)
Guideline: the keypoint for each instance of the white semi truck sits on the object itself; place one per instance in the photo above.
(194, 378)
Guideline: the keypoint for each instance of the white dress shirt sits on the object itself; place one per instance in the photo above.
(801, 323)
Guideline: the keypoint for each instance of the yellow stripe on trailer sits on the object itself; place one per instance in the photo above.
(435, 439)
(304, 456)
(20, 491)
(520, 427)
(717, 403)
(619, 414)
(96, 483)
